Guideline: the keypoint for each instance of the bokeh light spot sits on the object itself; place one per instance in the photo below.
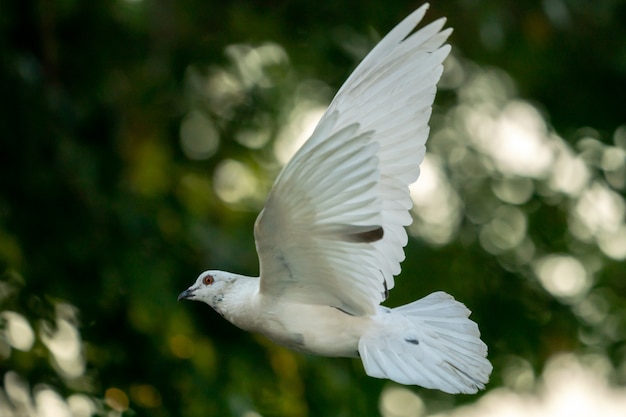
(400, 402)
(570, 174)
(116, 399)
(563, 276)
(198, 136)
(518, 141)
(182, 346)
(436, 206)
(619, 137)
(505, 231)
(145, 395)
(50, 404)
(302, 121)
(234, 182)
(598, 211)
(18, 331)
(613, 243)
(518, 374)
(516, 190)
(65, 346)
(593, 309)
(81, 405)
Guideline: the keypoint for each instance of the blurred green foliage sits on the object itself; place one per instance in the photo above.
(138, 142)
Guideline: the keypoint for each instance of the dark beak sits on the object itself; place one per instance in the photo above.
(186, 294)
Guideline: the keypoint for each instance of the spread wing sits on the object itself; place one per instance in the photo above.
(332, 230)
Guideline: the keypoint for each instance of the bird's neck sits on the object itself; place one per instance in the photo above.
(240, 305)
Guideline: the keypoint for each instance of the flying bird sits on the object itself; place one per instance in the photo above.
(330, 238)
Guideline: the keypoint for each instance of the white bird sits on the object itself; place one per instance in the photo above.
(331, 235)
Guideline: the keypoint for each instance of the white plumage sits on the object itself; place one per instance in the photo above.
(330, 238)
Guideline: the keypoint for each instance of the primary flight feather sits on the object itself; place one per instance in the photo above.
(331, 235)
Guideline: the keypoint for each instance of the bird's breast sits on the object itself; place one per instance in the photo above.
(316, 329)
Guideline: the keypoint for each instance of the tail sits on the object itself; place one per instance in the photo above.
(430, 342)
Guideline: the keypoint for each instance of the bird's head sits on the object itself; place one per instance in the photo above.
(210, 287)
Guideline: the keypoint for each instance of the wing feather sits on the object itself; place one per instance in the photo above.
(332, 230)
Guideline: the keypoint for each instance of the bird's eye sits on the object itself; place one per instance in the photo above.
(208, 280)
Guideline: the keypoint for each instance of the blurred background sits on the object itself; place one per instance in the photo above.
(140, 137)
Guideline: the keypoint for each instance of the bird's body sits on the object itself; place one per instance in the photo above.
(331, 234)
(309, 328)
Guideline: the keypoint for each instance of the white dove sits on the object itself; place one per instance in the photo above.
(330, 238)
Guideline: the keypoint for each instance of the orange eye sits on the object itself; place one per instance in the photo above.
(208, 280)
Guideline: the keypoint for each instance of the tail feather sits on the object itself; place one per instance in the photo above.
(430, 342)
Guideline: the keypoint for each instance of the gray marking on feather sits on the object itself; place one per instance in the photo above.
(364, 234)
(344, 311)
